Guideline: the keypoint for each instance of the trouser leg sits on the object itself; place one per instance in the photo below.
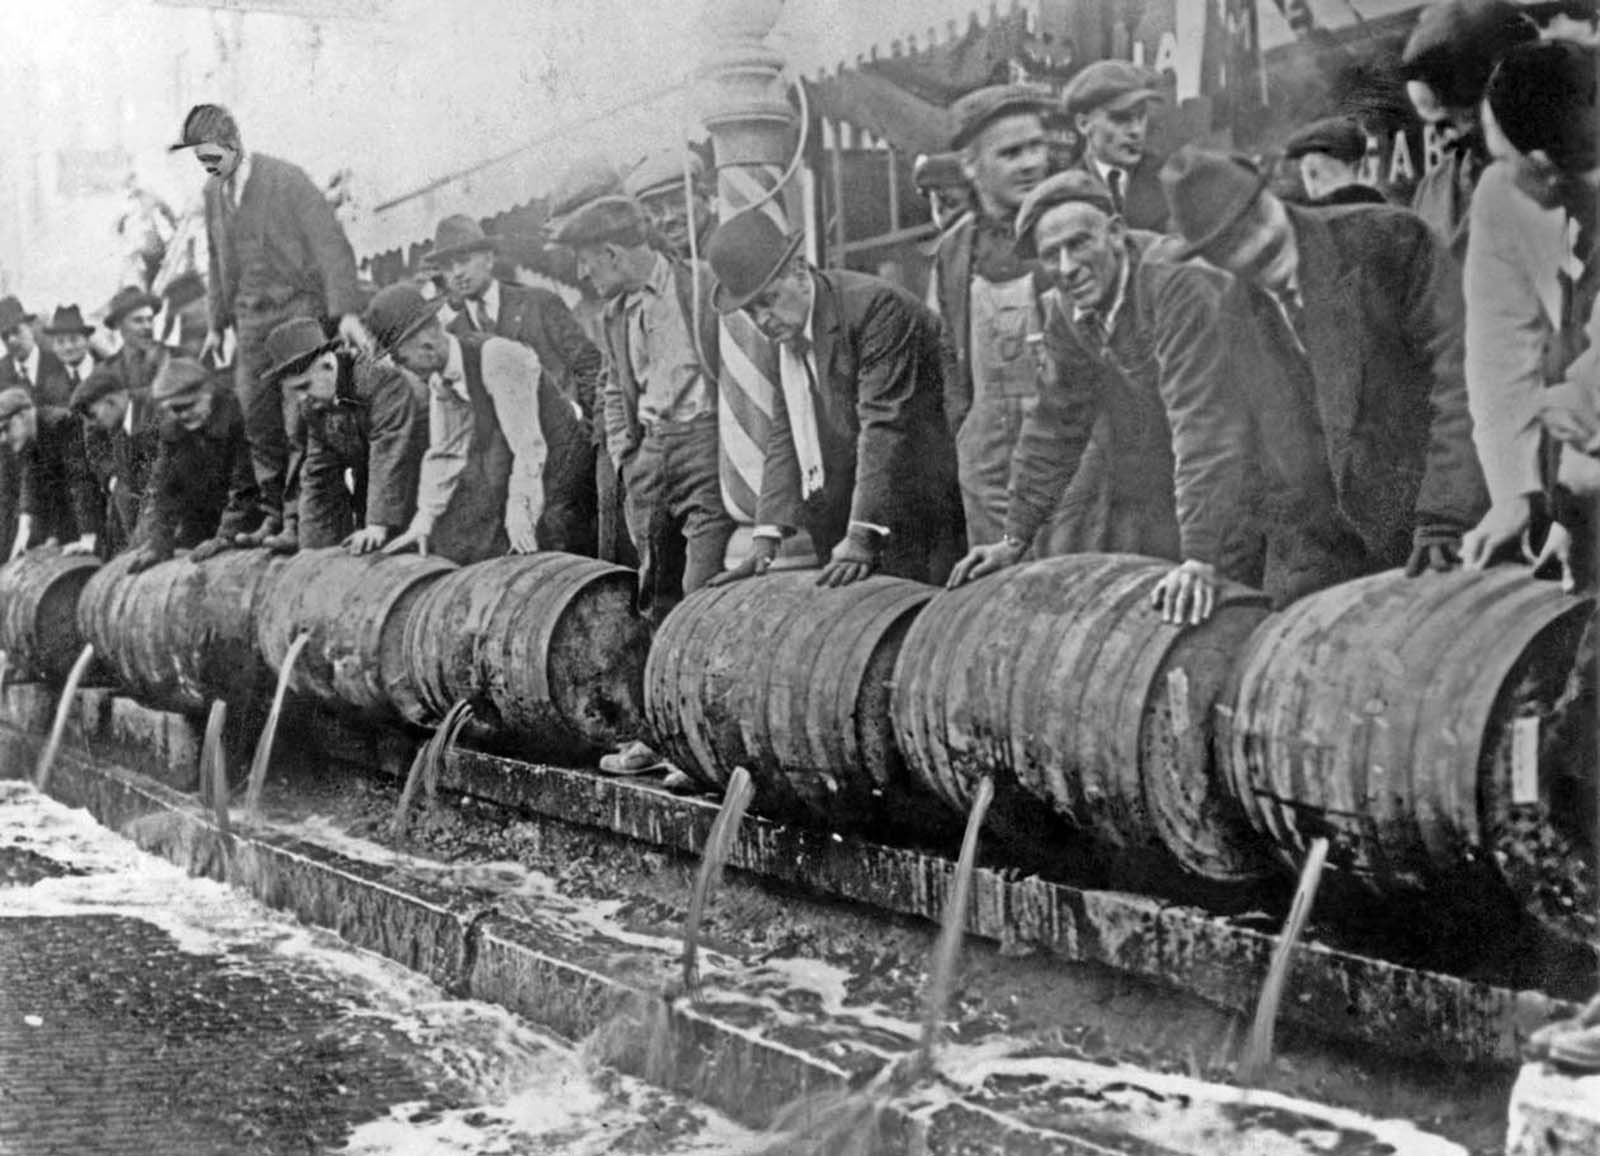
(705, 523)
(262, 402)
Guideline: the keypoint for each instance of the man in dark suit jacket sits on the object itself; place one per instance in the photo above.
(857, 426)
(276, 252)
(1346, 329)
(1110, 101)
(27, 364)
(122, 435)
(569, 378)
(56, 499)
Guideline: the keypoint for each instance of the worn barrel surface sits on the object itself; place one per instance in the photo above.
(39, 595)
(548, 647)
(355, 608)
(181, 635)
(1059, 678)
(1410, 721)
(790, 681)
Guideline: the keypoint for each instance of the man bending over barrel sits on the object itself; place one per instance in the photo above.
(57, 501)
(482, 487)
(361, 416)
(202, 491)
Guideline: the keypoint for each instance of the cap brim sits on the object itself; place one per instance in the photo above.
(1201, 246)
(963, 136)
(421, 319)
(724, 302)
(82, 330)
(1129, 99)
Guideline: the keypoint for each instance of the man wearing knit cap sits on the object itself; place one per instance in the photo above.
(1446, 63)
(657, 183)
(1532, 277)
(121, 437)
(1345, 332)
(276, 251)
(1330, 152)
(660, 397)
(988, 297)
(1140, 340)
(364, 419)
(202, 493)
(1110, 101)
(56, 501)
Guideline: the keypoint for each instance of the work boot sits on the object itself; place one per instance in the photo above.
(259, 535)
(633, 758)
(285, 541)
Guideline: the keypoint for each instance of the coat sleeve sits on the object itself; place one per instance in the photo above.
(163, 502)
(449, 440)
(614, 403)
(322, 493)
(219, 293)
(511, 378)
(1452, 495)
(1210, 427)
(573, 349)
(887, 382)
(330, 249)
(87, 508)
(1053, 437)
(396, 439)
(239, 515)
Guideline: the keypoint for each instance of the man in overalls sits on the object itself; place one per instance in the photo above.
(989, 299)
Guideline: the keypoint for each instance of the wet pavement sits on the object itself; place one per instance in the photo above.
(142, 1010)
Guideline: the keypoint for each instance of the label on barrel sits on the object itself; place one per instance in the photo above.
(1178, 700)
(1525, 760)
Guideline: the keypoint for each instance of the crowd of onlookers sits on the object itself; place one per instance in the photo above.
(1117, 352)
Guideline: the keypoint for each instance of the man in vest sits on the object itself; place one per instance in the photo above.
(481, 492)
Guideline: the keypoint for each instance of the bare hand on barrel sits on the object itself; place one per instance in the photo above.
(1505, 522)
(210, 548)
(84, 545)
(984, 560)
(1557, 548)
(366, 540)
(412, 537)
(1187, 593)
(756, 563)
(855, 557)
(145, 557)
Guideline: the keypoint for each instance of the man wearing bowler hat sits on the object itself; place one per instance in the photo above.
(660, 397)
(1110, 101)
(1140, 340)
(857, 430)
(361, 417)
(481, 492)
(55, 501)
(121, 438)
(1330, 152)
(27, 364)
(276, 252)
(988, 297)
(569, 372)
(69, 340)
(1346, 333)
(202, 492)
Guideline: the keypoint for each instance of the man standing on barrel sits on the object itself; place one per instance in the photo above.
(857, 428)
(360, 416)
(44, 450)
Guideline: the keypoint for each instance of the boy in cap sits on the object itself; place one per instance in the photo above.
(122, 436)
(55, 499)
(202, 492)
(1330, 153)
(1345, 330)
(277, 251)
(1110, 102)
(1140, 339)
(568, 380)
(361, 417)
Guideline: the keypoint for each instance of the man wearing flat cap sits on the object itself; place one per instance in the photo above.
(657, 183)
(202, 492)
(121, 438)
(481, 491)
(1329, 152)
(660, 397)
(69, 340)
(364, 419)
(1346, 333)
(276, 252)
(568, 380)
(988, 297)
(28, 364)
(1110, 101)
(44, 447)
(856, 425)
(1139, 341)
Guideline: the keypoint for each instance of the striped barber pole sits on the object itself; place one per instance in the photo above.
(749, 361)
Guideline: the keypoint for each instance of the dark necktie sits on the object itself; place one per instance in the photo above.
(801, 347)
(1092, 324)
(1114, 179)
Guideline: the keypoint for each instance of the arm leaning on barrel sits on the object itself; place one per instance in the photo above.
(243, 509)
(449, 441)
(88, 507)
(323, 499)
(397, 437)
(156, 533)
(511, 378)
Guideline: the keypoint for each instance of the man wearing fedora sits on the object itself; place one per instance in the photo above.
(569, 375)
(131, 315)
(28, 364)
(276, 252)
(1329, 153)
(122, 435)
(69, 340)
(857, 427)
(202, 493)
(361, 417)
(1110, 101)
(660, 397)
(988, 297)
(1139, 340)
(1346, 334)
(481, 491)
(55, 495)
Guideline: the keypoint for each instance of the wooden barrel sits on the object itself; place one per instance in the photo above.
(180, 635)
(548, 647)
(39, 595)
(355, 608)
(1405, 719)
(790, 681)
(1059, 679)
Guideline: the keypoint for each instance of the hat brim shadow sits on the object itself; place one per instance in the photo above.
(299, 361)
(724, 302)
(430, 311)
(485, 246)
(1201, 246)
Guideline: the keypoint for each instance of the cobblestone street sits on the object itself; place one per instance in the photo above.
(142, 1011)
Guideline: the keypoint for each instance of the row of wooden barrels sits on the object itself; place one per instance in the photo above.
(1433, 729)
